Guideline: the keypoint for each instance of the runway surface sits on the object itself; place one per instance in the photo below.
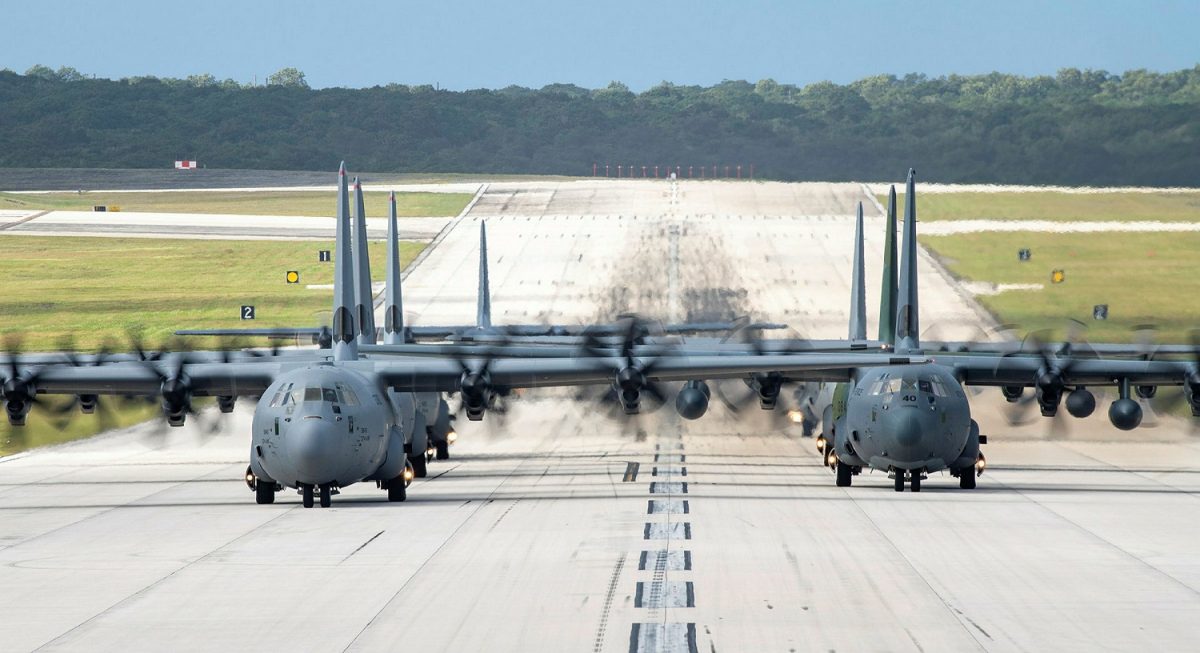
(560, 530)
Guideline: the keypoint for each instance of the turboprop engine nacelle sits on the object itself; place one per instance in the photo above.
(692, 400)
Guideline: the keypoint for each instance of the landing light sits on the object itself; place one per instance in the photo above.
(831, 459)
(451, 437)
(980, 465)
(796, 416)
(821, 443)
(408, 474)
(430, 451)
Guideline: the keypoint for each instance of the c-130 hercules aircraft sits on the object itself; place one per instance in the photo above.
(331, 419)
(909, 416)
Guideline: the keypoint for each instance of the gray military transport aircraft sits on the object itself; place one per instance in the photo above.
(913, 419)
(431, 408)
(323, 422)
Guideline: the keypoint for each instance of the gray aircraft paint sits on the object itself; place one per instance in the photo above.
(908, 324)
(364, 298)
(393, 302)
(483, 310)
(858, 285)
(345, 347)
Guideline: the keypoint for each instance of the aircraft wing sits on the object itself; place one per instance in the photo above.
(444, 375)
(211, 379)
(1025, 370)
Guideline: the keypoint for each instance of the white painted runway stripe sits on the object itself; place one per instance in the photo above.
(664, 560)
(663, 638)
(667, 506)
(669, 457)
(659, 487)
(671, 531)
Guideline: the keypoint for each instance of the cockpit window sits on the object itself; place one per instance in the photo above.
(885, 386)
(939, 388)
(312, 394)
(330, 395)
(283, 397)
(348, 396)
(925, 386)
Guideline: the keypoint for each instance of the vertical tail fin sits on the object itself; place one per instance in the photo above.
(858, 287)
(887, 298)
(344, 345)
(483, 311)
(364, 299)
(908, 325)
(393, 304)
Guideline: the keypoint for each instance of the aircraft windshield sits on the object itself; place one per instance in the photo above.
(328, 395)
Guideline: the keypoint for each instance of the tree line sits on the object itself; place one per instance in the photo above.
(1078, 127)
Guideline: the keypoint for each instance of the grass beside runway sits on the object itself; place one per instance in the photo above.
(1145, 278)
(1073, 207)
(41, 430)
(299, 203)
(96, 290)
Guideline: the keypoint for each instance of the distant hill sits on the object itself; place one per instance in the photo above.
(1076, 128)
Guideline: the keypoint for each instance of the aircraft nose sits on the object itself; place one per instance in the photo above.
(312, 450)
(907, 427)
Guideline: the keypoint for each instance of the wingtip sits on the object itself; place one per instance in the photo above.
(912, 174)
(392, 196)
(342, 169)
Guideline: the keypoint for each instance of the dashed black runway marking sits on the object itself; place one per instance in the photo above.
(665, 560)
(663, 638)
(669, 470)
(660, 487)
(671, 531)
(667, 506)
(670, 594)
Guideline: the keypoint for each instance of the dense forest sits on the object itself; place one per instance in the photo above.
(1079, 127)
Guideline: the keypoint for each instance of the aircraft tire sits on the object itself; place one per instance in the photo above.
(966, 478)
(326, 496)
(306, 495)
(396, 490)
(914, 483)
(899, 480)
(844, 476)
(264, 492)
(443, 450)
(420, 469)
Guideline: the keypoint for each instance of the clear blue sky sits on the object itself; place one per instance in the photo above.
(495, 43)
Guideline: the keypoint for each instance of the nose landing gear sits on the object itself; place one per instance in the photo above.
(914, 479)
(310, 495)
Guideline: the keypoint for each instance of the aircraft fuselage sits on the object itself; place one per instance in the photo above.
(325, 425)
(911, 418)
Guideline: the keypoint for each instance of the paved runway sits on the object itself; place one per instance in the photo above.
(559, 530)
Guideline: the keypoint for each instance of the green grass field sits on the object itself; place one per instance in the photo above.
(1162, 207)
(309, 203)
(1145, 278)
(95, 290)
(40, 430)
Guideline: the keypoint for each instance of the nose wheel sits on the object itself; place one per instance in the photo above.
(913, 477)
(310, 495)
